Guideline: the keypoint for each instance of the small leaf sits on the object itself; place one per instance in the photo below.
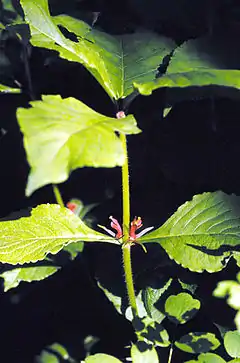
(114, 61)
(102, 358)
(201, 234)
(12, 278)
(208, 358)
(47, 230)
(231, 289)
(198, 342)
(232, 343)
(147, 355)
(7, 89)
(53, 353)
(181, 308)
(74, 249)
(61, 135)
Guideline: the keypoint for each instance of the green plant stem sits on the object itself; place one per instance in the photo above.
(126, 249)
(58, 196)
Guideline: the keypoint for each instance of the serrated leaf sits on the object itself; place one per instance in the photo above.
(144, 356)
(232, 343)
(7, 89)
(208, 358)
(102, 358)
(61, 135)
(47, 230)
(114, 61)
(181, 308)
(12, 278)
(198, 342)
(198, 63)
(201, 234)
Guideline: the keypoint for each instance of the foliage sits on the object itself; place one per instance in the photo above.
(62, 134)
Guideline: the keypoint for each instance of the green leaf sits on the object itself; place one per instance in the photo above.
(7, 89)
(198, 63)
(114, 61)
(74, 249)
(61, 135)
(102, 358)
(151, 297)
(12, 278)
(208, 358)
(54, 354)
(232, 343)
(146, 356)
(47, 230)
(201, 233)
(198, 342)
(181, 308)
(231, 289)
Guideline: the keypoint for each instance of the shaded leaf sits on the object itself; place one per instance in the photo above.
(47, 230)
(101, 358)
(201, 234)
(114, 61)
(207, 358)
(181, 308)
(61, 135)
(12, 278)
(146, 356)
(74, 249)
(232, 343)
(198, 342)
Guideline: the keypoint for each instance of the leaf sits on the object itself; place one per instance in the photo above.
(151, 296)
(48, 229)
(208, 358)
(151, 332)
(198, 342)
(232, 343)
(101, 358)
(181, 308)
(7, 89)
(74, 249)
(197, 63)
(114, 61)
(146, 356)
(201, 234)
(230, 289)
(12, 278)
(54, 353)
(61, 135)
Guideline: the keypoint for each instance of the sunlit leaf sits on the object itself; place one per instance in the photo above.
(181, 308)
(47, 230)
(207, 358)
(201, 234)
(232, 343)
(145, 355)
(115, 61)
(101, 358)
(12, 278)
(197, 63)
(7, 89)
(61, 135)
(54, 353)
(198, 342)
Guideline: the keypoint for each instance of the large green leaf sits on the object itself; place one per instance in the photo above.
(199, 62)
(114, 61)
(61, 135)
(201, 234)
(181, 308)
(47, 230)
(198, 342)
(12, 278)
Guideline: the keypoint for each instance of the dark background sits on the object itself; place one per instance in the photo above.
(194, 149)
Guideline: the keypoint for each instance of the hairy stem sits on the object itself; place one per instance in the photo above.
(126, 249)
(57, 195)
